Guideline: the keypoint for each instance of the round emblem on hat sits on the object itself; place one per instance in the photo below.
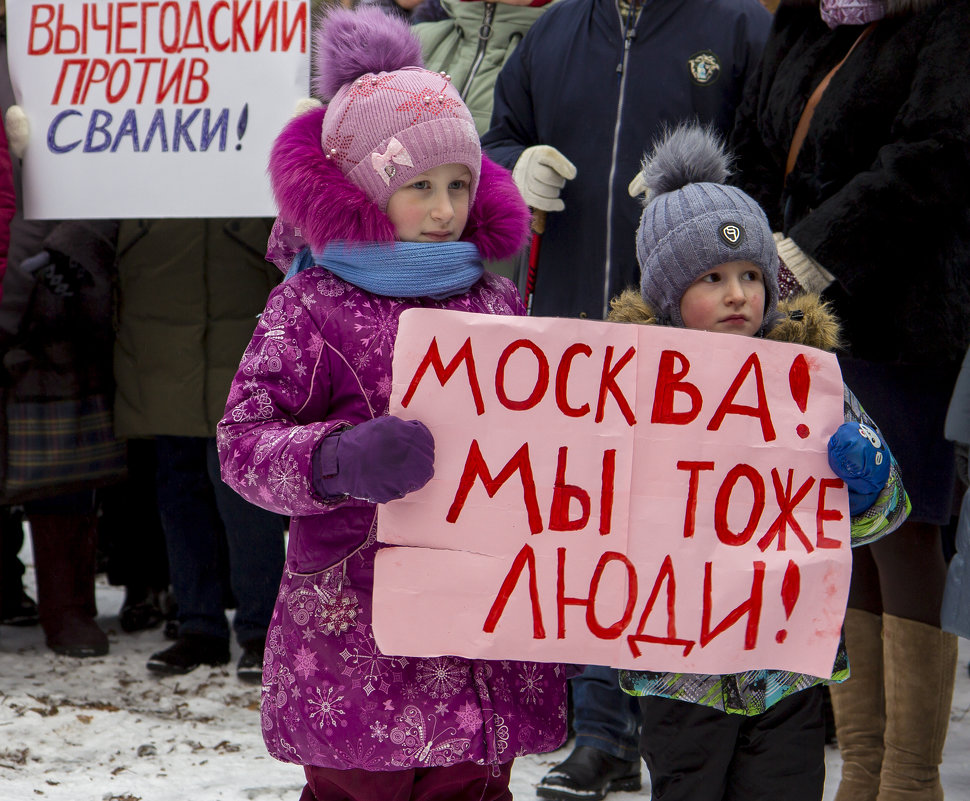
(705, 67)
(731, 233)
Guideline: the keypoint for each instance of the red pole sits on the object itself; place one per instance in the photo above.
(538, 228)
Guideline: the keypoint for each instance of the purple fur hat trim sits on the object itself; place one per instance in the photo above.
(349, 44)
(315, 197)
(498, 223)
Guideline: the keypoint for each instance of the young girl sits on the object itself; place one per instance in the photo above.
(389, 190)
(708, 261)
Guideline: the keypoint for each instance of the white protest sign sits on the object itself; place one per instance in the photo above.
(154, 108)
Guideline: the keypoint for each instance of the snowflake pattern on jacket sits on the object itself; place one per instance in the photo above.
(321, 359)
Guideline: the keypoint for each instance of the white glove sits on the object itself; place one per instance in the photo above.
(18, 131)
(540, 174)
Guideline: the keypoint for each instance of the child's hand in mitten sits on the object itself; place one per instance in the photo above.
(859, 457)
(378, 460)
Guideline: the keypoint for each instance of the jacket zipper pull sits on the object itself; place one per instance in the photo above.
(628, 38)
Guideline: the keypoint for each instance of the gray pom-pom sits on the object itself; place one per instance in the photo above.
(688, 154)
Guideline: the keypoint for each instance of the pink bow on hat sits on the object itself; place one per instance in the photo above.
(395, 153)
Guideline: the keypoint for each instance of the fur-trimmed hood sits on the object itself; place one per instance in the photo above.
(894, 8)
(805, 319)
(314, 196)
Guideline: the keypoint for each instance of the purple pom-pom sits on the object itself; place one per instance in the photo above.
(349, 44)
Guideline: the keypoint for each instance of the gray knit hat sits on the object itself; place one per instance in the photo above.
(693, 221)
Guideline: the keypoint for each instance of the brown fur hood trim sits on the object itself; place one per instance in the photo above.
(805, 319)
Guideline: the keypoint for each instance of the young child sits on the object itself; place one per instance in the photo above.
(758, 734)
(389, 189)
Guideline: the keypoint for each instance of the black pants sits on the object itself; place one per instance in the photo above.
(696, 753)
(199, 513)
(130, 526)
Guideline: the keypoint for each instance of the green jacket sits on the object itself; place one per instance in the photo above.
(190, 294)
(473, 46)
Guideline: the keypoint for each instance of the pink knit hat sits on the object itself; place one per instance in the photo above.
(390, 119)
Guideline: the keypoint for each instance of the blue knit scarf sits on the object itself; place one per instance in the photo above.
(399, 269)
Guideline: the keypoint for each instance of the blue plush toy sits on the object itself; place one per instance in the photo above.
(859, 457)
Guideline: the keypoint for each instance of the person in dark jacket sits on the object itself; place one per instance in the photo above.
(594, 80)
(869, 197)
(55, 337)
(55, 342)
(590, 84)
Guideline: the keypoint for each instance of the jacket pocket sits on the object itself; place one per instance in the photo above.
(319, 542)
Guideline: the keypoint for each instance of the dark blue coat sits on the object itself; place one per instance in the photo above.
(598, 88)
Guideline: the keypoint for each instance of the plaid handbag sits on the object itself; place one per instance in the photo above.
(55, 446)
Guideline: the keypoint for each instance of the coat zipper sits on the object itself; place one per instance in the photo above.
(629, 34)
(484, 34)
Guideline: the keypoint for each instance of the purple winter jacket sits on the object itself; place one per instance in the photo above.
(321, 358)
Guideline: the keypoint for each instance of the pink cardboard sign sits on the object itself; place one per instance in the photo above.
(635, 496)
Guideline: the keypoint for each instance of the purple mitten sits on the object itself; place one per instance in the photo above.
(378, 460)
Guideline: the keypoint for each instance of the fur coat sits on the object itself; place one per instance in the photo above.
(879, 194)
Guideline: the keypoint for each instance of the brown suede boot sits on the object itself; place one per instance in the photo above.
(65, 560)
(920, 668)
(859, 708)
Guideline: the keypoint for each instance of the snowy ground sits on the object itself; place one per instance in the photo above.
(106, 730)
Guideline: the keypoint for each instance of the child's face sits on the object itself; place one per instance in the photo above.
(729, 298)
(433, 206)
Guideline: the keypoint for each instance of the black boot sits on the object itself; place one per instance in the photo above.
(250, 666)
(16, 607)
(188, 652)
(588, 774)
(65, 558)
(142, 609)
